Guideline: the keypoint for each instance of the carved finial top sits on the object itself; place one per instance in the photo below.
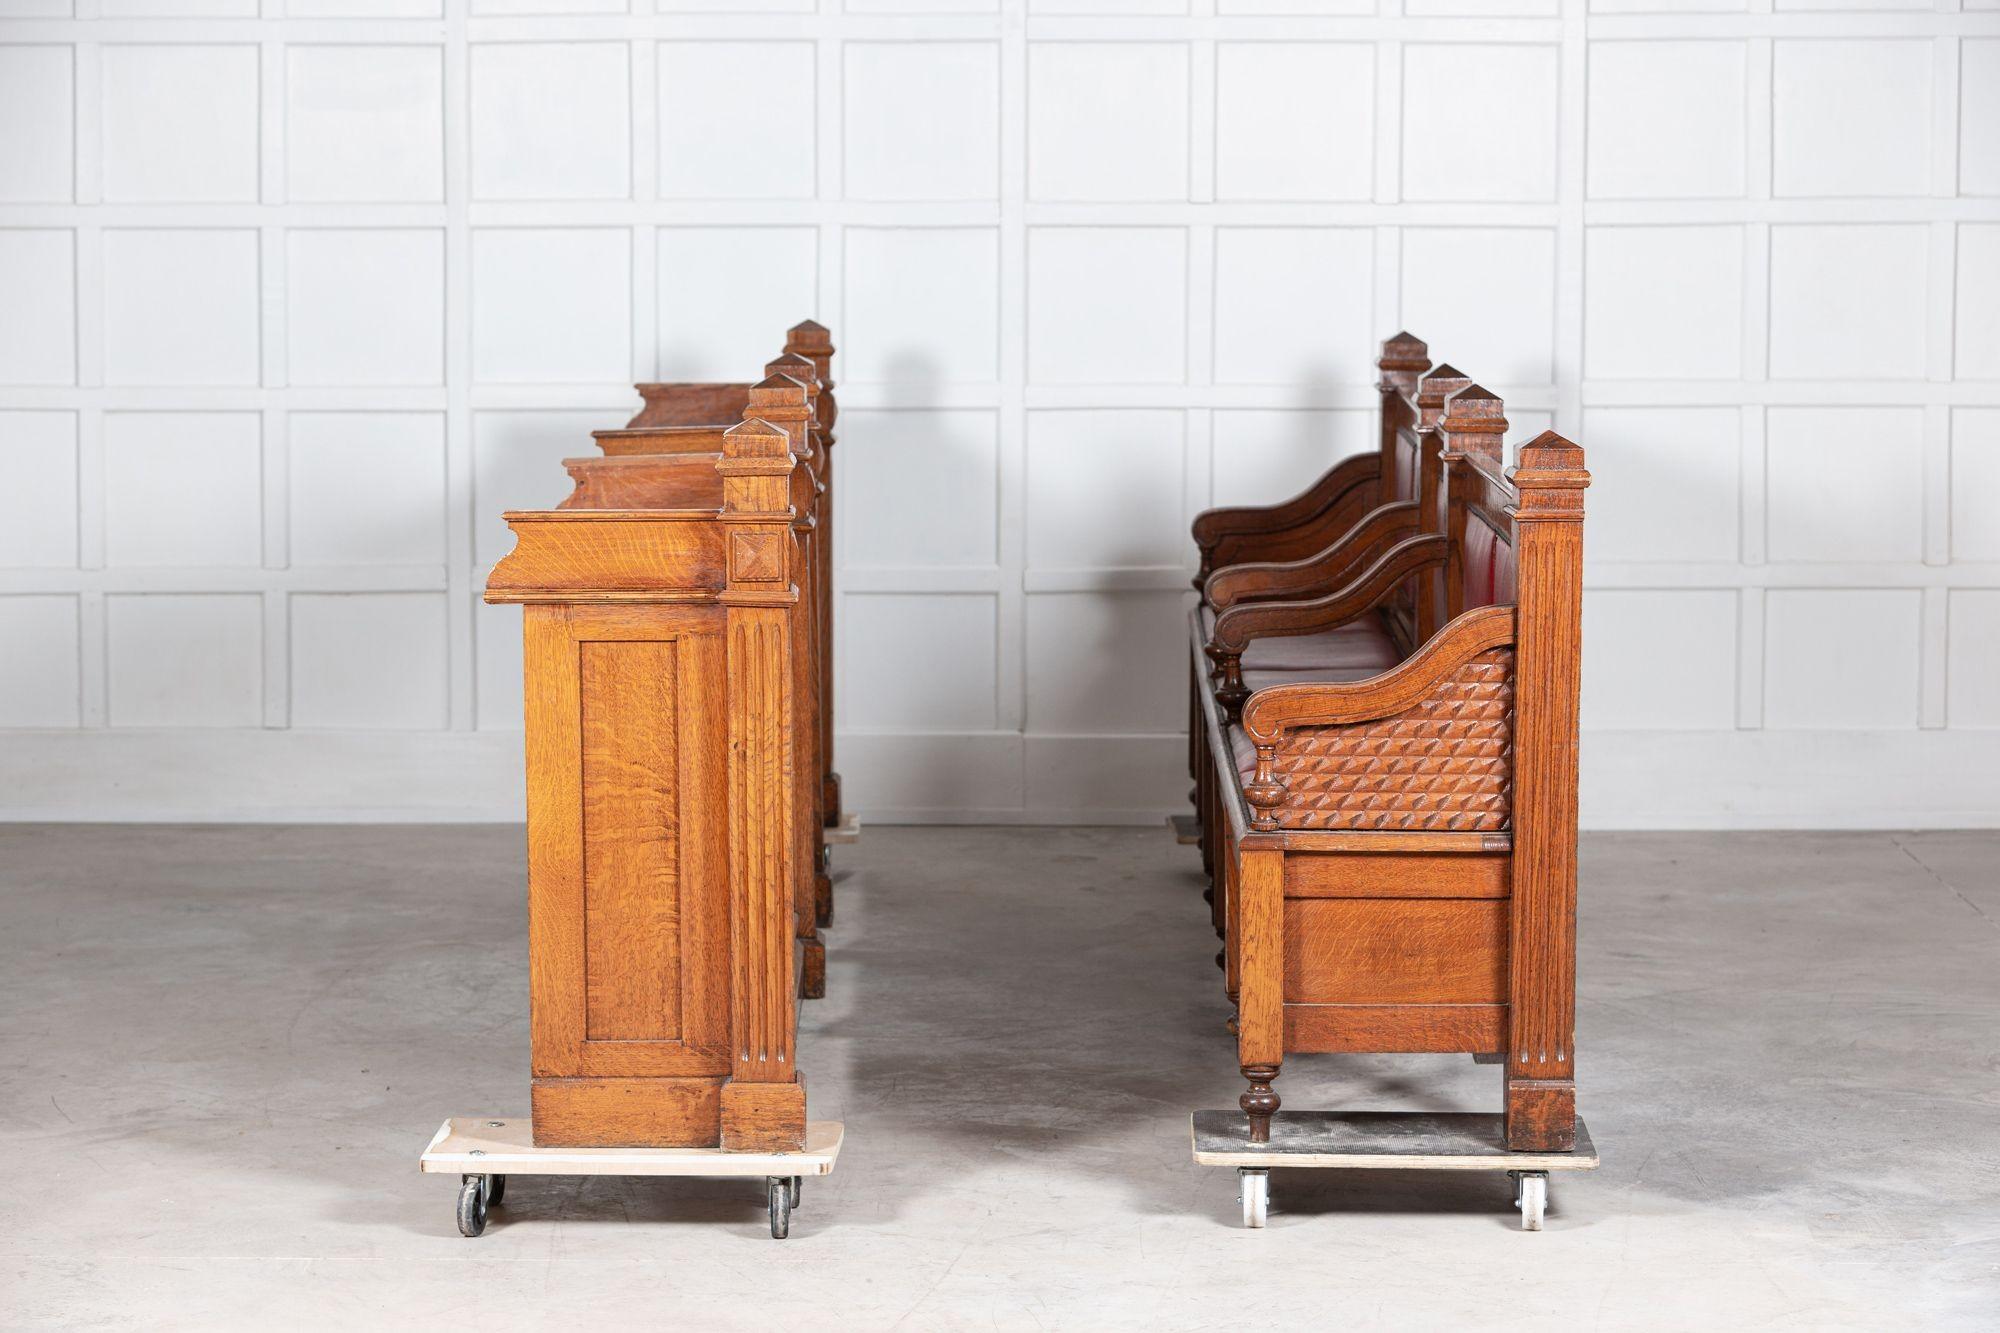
(756, 466)
(1550, 479)
(1406, 346)
(1474, 420)
(753, 437)
(809, 336)
(800, 367)
(1403, 359)
(1475, 408)
(779, 397)
(1440, 384)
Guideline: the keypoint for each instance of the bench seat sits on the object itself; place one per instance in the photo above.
(1359, 643)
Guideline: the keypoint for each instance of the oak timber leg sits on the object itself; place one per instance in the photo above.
(822, 887)
(1214, 841)
(830, 799)
(1205, 823)
(1230, 960)
(1194, 726)
(1256, 937)
(1541, 1113)
(763, 1117)
(812, 969)
(1260, 1103)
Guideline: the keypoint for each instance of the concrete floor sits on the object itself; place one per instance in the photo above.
(223, 1049)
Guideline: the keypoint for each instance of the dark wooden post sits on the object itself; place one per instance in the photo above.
(1403, 361)
(1474, 422)
(1432, 390)
(1541, 971)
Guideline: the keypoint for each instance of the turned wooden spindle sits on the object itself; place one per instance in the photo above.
(1259, 1102)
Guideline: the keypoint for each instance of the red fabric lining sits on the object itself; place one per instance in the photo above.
(1489, 566)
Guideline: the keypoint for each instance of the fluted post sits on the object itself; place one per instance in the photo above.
(1541, 963)
(785, 402)
(763, 1104)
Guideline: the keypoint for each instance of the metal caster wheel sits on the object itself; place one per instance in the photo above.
(1253, 1184)
(472, 1202)
(1531, 1196)
(778, 1189)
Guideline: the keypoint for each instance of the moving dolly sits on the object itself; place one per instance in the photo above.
(484, 1152)
(1381, 1140)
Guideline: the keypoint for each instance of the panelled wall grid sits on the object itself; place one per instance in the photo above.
(297, 295)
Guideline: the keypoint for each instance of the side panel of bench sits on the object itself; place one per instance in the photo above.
(628, 881)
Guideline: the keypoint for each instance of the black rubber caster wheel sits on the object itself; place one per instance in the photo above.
(779, 1192)
(792, 1188)
(496, 1190)
(472, 1206)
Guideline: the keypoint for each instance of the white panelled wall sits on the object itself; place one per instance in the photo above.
(297, 295)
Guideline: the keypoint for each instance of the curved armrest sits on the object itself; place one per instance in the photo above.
(1236, 627)
(1212, 525)
(1289, 580)
(1271, 712)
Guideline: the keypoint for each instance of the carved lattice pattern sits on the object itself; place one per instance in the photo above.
(1445, 764)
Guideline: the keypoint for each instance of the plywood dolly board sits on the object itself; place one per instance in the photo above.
(483, 1152)
(848, 830)
(1381, 1140)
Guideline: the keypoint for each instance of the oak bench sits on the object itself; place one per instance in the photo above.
(1385, 752)
(677, 685)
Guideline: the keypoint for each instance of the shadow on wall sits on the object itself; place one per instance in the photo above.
(931, 696)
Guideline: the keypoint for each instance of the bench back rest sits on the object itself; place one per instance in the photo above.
(697, 404)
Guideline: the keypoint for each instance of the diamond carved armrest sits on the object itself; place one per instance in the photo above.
(1428, 745)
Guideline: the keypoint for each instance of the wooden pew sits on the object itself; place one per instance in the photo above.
(1409, 479)
(1395, 847)
(640, 470)
(663, 729)
(1310, 522)
(696, 405)
(682, 417)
